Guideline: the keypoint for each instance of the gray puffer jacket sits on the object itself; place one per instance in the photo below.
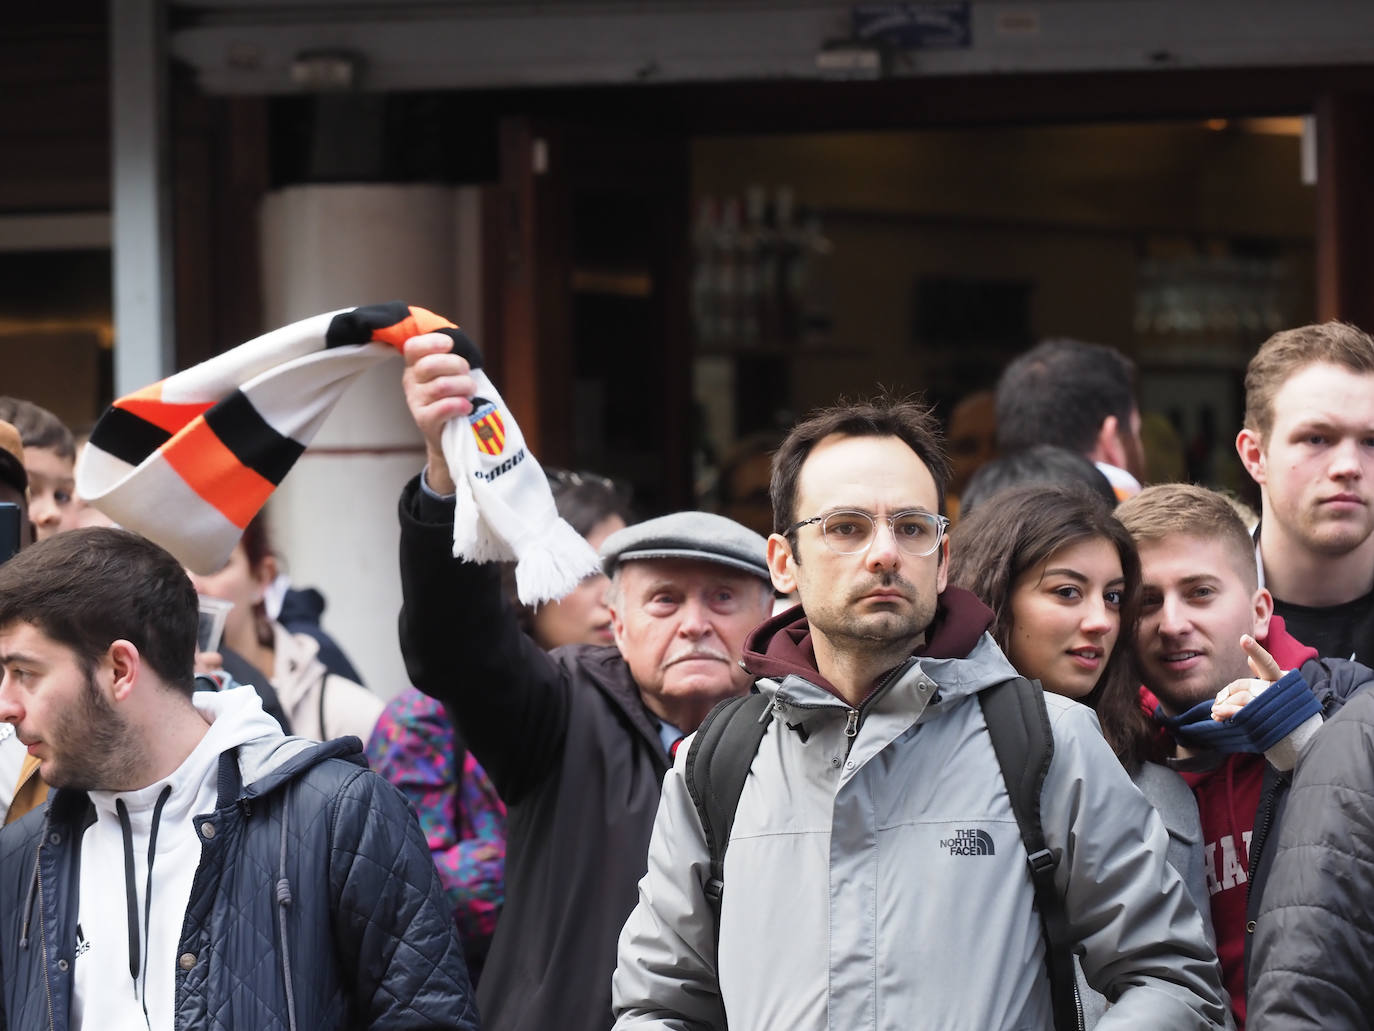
(1313, 952)
(875, 876)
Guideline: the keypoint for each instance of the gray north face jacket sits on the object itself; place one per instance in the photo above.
(876, 878)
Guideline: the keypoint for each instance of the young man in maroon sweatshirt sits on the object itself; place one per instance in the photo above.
(1213, 655)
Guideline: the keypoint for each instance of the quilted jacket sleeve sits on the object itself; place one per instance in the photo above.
(463, 646)
(1310, 964)
(394, 931)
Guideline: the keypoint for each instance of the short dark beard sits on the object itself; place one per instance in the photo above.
(103, 753)
(899, 641)
(1176, 705)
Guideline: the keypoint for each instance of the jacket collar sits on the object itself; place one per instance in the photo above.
(610, 674)
(783, 647)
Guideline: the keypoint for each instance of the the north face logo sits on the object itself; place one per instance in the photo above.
(974, 842)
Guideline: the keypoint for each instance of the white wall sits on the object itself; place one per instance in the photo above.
(334, 517)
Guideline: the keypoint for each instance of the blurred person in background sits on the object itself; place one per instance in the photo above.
(742, 485)
(49, 461)
(417, 748)
(21, 789)
(14, 480)
(1078, 396)
(1038, 465)
(319, 704)
(972, 437)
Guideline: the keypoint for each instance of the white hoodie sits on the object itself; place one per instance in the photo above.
(104, 985)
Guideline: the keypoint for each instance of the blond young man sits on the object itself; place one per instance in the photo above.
(1308, 442)
(1213, 653)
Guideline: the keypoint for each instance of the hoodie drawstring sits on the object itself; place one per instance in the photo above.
(283, 903)
(28, 899)
(138, 962)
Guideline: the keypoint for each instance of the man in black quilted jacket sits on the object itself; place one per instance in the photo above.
(193, 867)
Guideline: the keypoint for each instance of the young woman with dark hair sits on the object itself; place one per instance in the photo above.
(1062, 578)
(1063, 581)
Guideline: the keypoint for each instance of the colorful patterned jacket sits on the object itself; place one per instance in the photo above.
(415, 747)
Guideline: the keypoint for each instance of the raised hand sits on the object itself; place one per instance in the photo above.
(437, 388)
(1238, 693)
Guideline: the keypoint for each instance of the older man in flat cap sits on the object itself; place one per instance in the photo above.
(576, 740)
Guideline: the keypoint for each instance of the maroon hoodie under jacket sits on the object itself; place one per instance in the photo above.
(782, 646)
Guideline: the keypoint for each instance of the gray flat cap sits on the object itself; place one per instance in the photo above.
(703, 536)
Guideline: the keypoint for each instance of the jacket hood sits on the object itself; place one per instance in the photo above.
(267, 757)
(1288, 651)
(783, 647)
(301, 605)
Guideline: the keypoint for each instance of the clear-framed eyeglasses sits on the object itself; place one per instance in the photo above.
(916, 533)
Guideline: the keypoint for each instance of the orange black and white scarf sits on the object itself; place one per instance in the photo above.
(188, 461)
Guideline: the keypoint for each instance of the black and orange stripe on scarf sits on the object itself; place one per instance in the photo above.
(188, 461)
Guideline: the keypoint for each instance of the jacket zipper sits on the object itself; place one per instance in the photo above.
(1257, 839)
(851, 727)
(854, 715)
(43, 944)
(1261, 834)
(851, 731)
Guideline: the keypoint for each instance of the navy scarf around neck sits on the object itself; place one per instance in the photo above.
(1261, 724)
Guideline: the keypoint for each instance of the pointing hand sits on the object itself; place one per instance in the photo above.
(1235, 695)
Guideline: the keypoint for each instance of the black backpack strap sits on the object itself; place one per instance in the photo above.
(717, 764)
(1019, 725)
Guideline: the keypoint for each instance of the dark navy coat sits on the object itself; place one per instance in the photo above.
(368, 939)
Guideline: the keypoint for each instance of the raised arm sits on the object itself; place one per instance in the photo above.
(462, 643)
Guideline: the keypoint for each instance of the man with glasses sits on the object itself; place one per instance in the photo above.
(875, 874)
(576, 740)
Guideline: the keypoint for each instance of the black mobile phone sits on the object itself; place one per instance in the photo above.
(11, 524)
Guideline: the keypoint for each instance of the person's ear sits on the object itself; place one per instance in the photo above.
(267, 571)
(1264, 610)
(781, 564)
(1109, 447)
(614, 601)
(124, 663)
(1250, 447)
